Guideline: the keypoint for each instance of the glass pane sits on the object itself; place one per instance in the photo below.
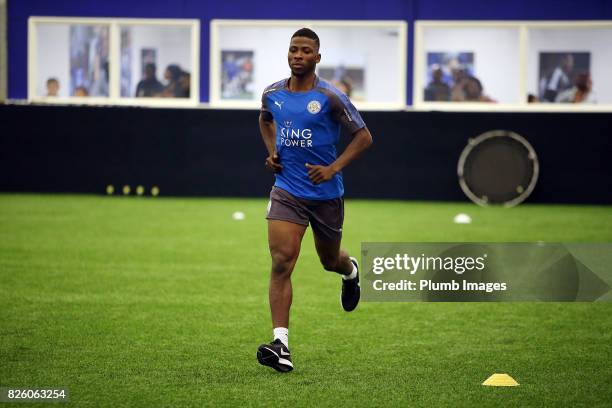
(570, 65)
(465, 64)
(155, 61)
(253, 57)
(362, 61)
(73, 60)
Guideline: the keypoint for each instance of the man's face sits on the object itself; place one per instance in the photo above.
(149, 72)
(52, 88)
(303, 55)
(437, 75)
(472, 89)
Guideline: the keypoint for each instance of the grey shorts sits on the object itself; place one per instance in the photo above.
(325, 216)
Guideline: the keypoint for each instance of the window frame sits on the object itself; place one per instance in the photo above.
(114, 79)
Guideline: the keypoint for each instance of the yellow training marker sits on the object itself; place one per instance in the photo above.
(126, 190)
(110, 189)
(140, 190)
(154, 191)
(500, 380)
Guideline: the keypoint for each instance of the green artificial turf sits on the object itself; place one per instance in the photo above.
(146, 302)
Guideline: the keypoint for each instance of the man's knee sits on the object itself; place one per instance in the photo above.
(330, 263)
(283, 261)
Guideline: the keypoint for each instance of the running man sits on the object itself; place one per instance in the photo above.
(300, 124)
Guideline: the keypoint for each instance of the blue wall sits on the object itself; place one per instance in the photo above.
(409, 10)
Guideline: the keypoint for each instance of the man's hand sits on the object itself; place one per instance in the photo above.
(320, 174)
(273, 163)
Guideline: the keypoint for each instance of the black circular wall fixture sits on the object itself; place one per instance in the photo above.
(498, 167)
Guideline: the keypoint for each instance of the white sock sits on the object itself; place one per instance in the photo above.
(352, 275)
(282, 333)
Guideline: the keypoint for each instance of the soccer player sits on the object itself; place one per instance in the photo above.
(300, 124)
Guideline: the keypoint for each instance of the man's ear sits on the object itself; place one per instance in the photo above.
(318, 58)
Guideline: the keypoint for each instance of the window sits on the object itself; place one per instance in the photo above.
(364, 58)
(114, 61)
(493, 65)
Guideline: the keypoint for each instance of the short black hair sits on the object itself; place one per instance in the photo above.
(475, 81)
(308, 33)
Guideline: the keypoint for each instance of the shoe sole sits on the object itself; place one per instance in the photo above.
(269, 358)
(353, 261)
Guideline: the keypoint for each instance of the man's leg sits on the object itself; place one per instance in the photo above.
(332, 257)
(326, 219)
(337, 260)
(284, 239)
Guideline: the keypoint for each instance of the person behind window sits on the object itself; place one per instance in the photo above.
(53, 87)
(185, 84)
(81, 91)
(437, 89)
(470, 89)
(149, 86)
(173, 88)
(474, 91)
(581, 92)
(459, 74)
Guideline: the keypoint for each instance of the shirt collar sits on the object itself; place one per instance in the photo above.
(315, 83)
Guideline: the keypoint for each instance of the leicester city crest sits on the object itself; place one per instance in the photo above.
(314, 107)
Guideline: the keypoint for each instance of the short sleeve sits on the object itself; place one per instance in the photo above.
(344, 112)
(265, 113)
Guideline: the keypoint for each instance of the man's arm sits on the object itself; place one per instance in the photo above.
(268, 134)
(362, 140)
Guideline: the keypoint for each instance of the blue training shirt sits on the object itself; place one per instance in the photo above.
(307, 131)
